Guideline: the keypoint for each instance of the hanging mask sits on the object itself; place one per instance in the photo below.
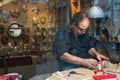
(24, 8)
(23, 17)
(36, 10)
(43, 20)
(5, 17)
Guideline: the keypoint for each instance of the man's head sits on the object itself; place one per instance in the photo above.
(80, 23)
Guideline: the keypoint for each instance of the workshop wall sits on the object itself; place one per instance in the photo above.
(39, 22)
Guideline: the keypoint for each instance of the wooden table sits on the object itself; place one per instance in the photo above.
(83, 74)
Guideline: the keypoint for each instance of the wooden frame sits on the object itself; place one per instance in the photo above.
(74, 7)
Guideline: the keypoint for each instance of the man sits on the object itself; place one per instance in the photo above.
(73, 48)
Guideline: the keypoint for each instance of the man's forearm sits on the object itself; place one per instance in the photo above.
(71, 58)
(97, 54)
(93, 51)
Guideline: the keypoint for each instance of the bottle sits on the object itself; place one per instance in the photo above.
(100, 69)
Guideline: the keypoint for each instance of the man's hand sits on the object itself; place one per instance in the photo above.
(101, 57)
(92, 63)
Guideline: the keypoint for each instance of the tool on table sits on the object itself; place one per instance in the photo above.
(100, 68)
(73, 72)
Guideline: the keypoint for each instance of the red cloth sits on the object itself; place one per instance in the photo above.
(105, 76)
(8, 77)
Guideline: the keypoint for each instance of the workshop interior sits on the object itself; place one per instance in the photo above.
(27, 34)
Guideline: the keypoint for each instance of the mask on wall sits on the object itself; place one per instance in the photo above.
(15, 13)
(43, 20)
(23, 17)
(36, 10)
(5, 17)
(24, 8)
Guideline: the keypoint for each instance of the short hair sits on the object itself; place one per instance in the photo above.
(77, 18)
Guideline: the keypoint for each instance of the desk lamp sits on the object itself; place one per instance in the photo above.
(96, 13)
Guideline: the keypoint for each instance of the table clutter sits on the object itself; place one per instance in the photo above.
(110, 72)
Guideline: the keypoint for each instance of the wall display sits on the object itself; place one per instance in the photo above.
(15, 30)
(39, 21)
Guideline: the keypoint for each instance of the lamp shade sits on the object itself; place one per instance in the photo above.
(95, 12)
